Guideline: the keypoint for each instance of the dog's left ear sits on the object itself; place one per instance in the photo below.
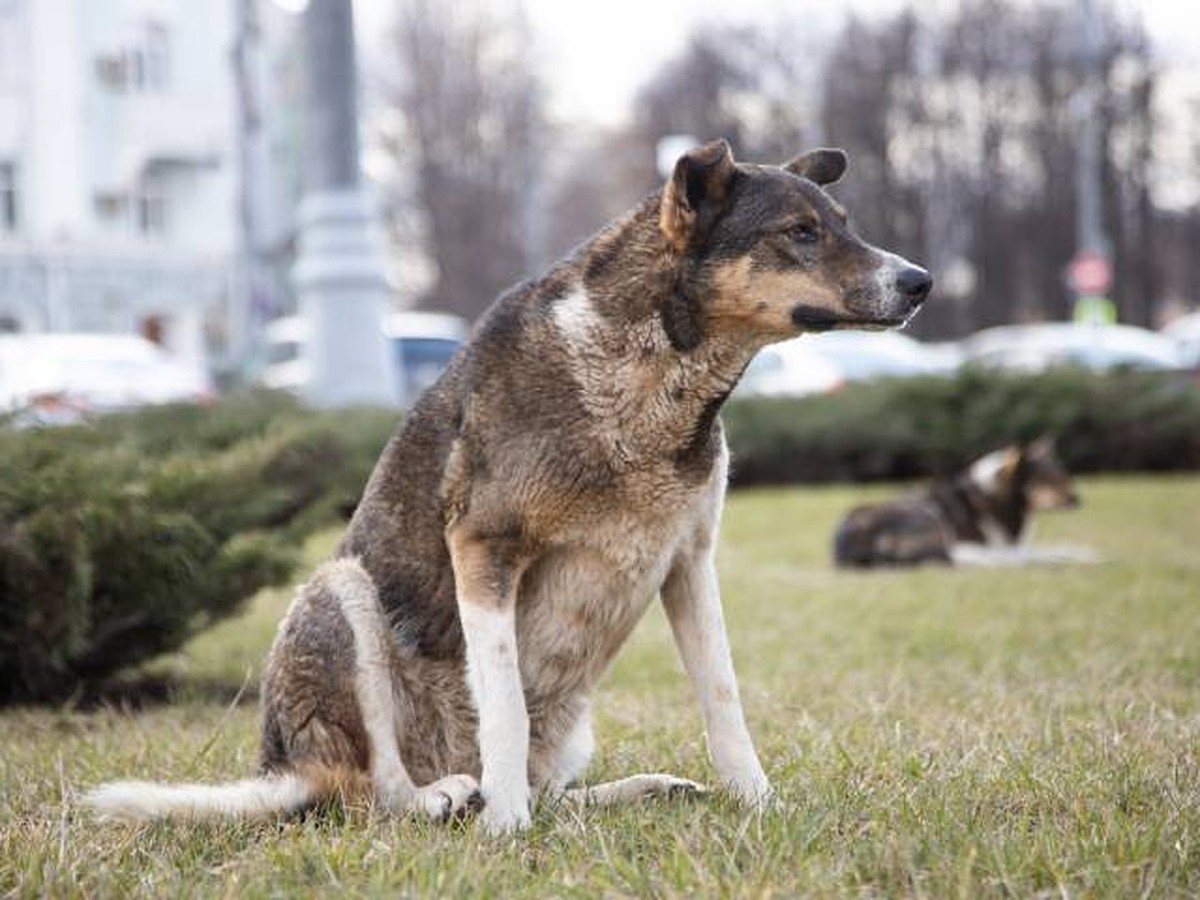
(824, 166)
(1011, 460)
(696, 192)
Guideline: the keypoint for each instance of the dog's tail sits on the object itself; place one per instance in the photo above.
(277, 794)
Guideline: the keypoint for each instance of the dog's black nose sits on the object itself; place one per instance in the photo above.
(914, 284)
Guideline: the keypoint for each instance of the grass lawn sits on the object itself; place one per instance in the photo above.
(933, 733)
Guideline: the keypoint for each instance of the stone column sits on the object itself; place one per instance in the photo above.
(340, 272)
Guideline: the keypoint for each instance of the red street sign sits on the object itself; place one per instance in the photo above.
(1089, 273)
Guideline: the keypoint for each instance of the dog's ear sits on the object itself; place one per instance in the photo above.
(824, 166)
(1011, 461)
(696, 193)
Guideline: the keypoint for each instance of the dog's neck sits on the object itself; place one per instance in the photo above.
(1002, 501)
(664, 377)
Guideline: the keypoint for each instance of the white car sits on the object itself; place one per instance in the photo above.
(1035, 348)
(56, 378)
(865, 355)
(789, 369)
(422, 345)
(1185, 332)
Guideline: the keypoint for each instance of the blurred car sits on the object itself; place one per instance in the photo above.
(422, 345)
(865, 355)
(1035, 348)
(1185, 333)
(789, 369)
(285, 368)
(58, 378)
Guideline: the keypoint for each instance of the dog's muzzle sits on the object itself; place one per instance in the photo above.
(888, 300)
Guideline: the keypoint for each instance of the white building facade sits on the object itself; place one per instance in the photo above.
(119, 172)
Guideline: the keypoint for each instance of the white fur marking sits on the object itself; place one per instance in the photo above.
(352, 586)
(494, 678)
(985, 471)
(139, 801)
(575, 317)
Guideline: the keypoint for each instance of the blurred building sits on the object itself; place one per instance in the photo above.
(123, 133)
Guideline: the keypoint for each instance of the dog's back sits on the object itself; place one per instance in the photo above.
(906, 531)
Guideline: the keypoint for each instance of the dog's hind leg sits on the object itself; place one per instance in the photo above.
(633, 788)
(572, 758)
(371, 710)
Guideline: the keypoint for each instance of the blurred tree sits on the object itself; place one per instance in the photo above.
(597, 178)
(466, 140)
(961, 135)
(961, 130)
(750, 85)
(747, 84)
(866, 93)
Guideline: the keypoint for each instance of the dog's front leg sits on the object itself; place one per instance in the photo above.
(486, 588)
(693, 605)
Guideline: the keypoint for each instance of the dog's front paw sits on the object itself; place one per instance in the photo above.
(499, 818)
(454, 795)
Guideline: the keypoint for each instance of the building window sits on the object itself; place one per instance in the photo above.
(151, 207)
(10, 49)
(110, 71)
(112, 210)
(110, 206)
(155, 58)
(143, 67)
(9, 210)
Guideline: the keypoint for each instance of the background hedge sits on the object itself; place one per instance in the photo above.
(122, 538)
(908, 428)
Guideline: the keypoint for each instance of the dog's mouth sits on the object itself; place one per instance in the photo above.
(814, 318)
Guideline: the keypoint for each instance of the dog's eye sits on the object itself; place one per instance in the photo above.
(805, 233)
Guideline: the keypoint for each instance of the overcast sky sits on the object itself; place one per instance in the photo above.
(596, 54)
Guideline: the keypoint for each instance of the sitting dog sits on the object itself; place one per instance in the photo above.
(979, 517)
(568, 468)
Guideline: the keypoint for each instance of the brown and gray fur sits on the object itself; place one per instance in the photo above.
(987, 505)
(566, 469)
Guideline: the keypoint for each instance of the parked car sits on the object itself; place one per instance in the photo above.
(1185, 333)
(789, 369)
(422, 345)
(864, 355)
(57, 378)
(1035, 348)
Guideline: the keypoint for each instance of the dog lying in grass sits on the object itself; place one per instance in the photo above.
(981, 516)
(567, 469)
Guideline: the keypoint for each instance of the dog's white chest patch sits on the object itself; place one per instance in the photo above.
(987, 471)
(576, 318)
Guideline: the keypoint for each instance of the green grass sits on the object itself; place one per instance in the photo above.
(932, 733)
